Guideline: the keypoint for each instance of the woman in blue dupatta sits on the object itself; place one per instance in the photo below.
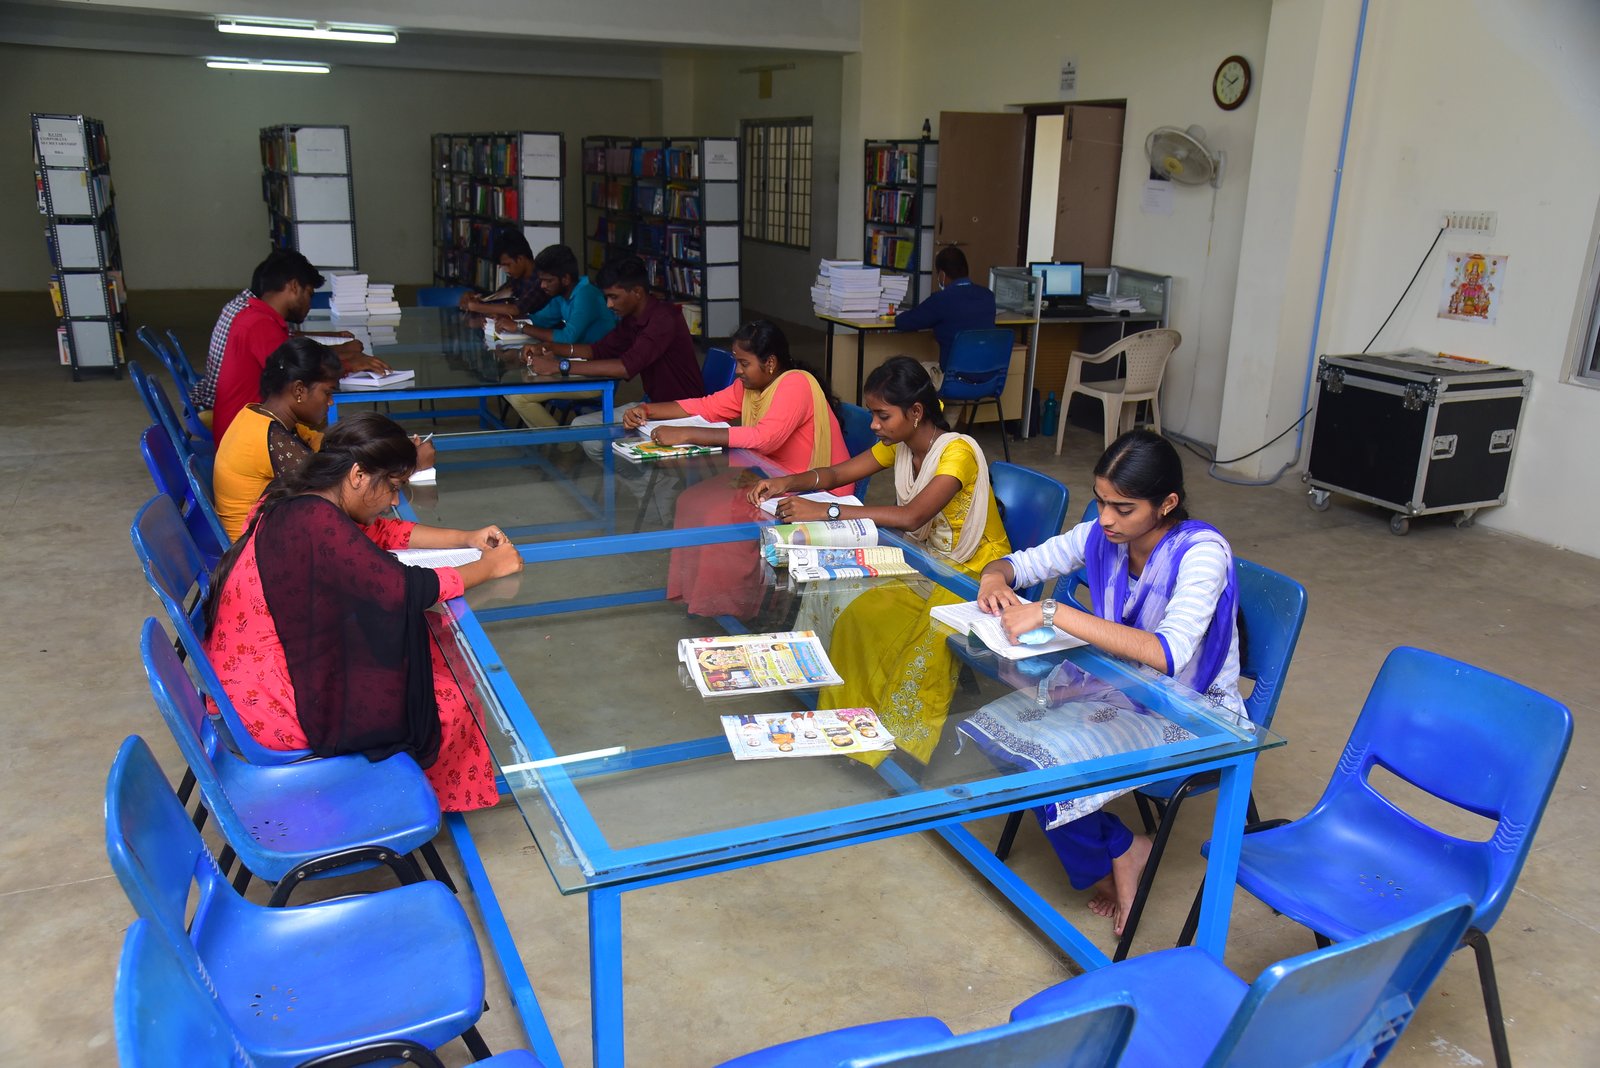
(1164, 593)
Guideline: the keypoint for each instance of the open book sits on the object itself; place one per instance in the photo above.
(770, 735)
(770, 505)
(649, 426)
(968, 618)
(374, 380)
(757, 663)
(812, 564)
(493, 335)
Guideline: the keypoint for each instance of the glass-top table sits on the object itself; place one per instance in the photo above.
(620, 768)
(452, 359)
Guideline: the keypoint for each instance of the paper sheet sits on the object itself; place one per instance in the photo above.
(437, 557)
(968, 618)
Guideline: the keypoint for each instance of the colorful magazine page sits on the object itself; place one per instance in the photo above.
(828, 732)
(757, 663)
(645, 451)
(812, 564)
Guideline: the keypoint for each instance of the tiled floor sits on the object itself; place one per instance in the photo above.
(706, 979)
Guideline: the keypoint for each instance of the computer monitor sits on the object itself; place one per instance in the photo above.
(1061, 281)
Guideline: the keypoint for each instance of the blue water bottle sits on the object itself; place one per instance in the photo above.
(1052, 413)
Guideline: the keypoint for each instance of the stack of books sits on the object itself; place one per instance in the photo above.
(847, 288)
(381, 302)
(892, 293)
(1107, 302)
(349, 296)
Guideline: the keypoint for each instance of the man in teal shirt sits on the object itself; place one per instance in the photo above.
(576, 315)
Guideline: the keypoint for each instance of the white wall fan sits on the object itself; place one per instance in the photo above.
(1182, 155)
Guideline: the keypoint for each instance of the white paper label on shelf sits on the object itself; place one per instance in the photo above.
(721, 161)
(320, 150)
(61, 143)
(541, 156)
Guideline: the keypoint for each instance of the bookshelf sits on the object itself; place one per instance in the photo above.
(484, 183)
(72, 178)
(898, 205)
(310, 195)
(673, 202)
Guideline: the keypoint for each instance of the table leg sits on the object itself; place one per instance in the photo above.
(1222, 862)
(605, 975)
(827, 357)
(608, 394)
(861, 362)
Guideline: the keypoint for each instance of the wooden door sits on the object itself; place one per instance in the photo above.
(1091, 163)
(979, 192)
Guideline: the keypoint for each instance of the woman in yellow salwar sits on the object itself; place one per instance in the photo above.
(883, 643)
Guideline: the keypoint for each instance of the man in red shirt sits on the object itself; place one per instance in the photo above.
(286, 282)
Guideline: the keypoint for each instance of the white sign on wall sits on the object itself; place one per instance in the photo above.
(1069, 77)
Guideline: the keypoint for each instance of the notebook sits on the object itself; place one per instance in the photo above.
(374, 380)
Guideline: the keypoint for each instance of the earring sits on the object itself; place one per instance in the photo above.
(916, 423)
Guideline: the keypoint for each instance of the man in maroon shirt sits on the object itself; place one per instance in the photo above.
(286, 283)
(651, 342)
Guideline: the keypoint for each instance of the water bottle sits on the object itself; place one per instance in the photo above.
(1052, 413)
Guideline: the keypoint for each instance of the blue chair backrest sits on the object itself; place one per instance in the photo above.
(1093, 1035)
(193, 427)
(139, 379)
(855, 423)
(1346, 1004)
(1032, 507)
(1272, 609)
(440, 296)
(172, 478)
(164, 1014)
(156, 852)
(1469, 737)
(718, 370)
(199, 471)
(185, 367)
(322, 298)
(979, 360)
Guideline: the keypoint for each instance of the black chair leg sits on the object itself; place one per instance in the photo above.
(1147, 878)
(1323, 941)
(241, 880)
(1479, 941)
(1005, 439)
(436, 865)
(1251, 816)
(186, 787)
(1147, 811)
(476, 1044)
(1192, 923)
(1008, 836)
(225, 859)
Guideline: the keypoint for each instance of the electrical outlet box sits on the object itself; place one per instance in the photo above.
(1468, 222)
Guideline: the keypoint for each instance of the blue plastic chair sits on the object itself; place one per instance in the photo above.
(441, 296)
(1090, 1035)
(290, 823)
(167, 416)
(322, 298)
(200, 472)
(183, 363)
(299, 982)
(717, 372)
(855, 423)
(176, 572)
(1335, 1007)
(182, 377)
(976, 372)
(137, 376)
(1466, 736)
(1032, 507)
(171, 478)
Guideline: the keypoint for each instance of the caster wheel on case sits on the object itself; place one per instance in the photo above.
(1399, 525)
(1318, 500)
(1467, 520)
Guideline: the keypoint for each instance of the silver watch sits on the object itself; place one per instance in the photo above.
(833, 511)
(1048, 607)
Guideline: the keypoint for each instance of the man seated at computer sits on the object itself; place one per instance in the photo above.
(958, 304)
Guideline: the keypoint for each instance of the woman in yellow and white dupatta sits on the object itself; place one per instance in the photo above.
(882, 641)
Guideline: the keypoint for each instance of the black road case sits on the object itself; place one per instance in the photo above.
(1415, 432)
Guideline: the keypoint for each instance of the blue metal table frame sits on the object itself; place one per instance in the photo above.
(915, 808)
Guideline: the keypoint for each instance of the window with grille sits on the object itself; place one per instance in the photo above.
(777, 184)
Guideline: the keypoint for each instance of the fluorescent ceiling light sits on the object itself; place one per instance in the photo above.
(315, 31)
(276, 65)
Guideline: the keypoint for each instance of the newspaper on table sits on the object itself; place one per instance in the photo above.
(777, 540)
(968, 618)
(757, 663)
(776, 735)
(816, 564)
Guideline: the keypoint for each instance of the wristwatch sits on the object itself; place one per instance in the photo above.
(1048, 608)
(833, 511)
(565, 367)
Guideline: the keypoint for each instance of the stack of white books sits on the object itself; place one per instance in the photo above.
(1107, 302)
(892, 293)
(349, 296)
(847, 288)
(381, 302)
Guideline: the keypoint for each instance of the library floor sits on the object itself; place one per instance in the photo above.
(708, 976)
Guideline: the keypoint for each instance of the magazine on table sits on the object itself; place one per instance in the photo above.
(815, 564)
(776, 735)
(643, 450)
(757, 663)
(968, 618)
(777, 540)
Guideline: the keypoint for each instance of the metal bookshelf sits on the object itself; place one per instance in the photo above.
(310, 194)
(484, 183)
(72, 176)
(898, 205)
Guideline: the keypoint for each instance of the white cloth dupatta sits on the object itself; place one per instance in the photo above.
(936, 532)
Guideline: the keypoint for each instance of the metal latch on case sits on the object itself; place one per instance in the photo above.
(1501, 440)
(1444, 447)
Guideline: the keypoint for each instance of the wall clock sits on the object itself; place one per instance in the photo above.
(1231, 84)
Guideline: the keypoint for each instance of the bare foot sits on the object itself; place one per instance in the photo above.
(1125, 873)
(1103, 902)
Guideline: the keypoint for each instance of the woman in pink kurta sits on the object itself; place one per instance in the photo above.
(783, 415)
(319, 635)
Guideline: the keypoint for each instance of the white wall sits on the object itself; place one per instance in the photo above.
(1492, 105)
(187, 167)
(1159, 56)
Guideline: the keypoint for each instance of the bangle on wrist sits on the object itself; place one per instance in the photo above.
(818, 482)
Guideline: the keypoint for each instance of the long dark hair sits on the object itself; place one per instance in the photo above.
(764, 338)
(1145, 466)
(300, 359)
(902, 382)
(371, 441)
